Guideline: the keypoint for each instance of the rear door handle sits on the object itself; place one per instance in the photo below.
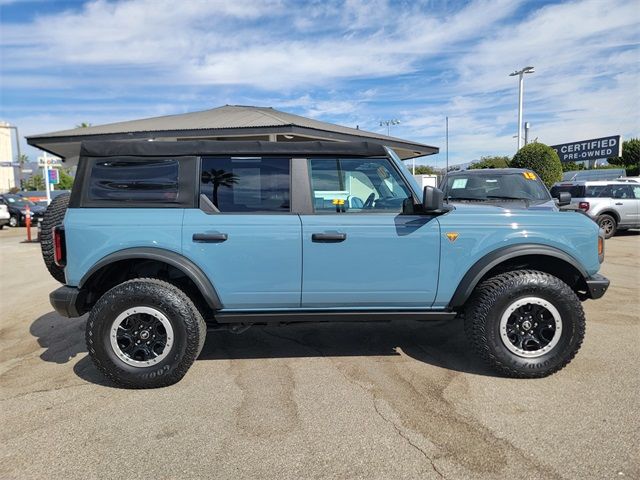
(210, 237)
(619, 203)
(329, 237)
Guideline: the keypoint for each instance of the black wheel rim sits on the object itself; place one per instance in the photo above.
(530, 327)
(141, 336)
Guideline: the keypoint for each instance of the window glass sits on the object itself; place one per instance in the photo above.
(487, 185)
(246, 184)
(636, 191)
(153, 180)
(622, 191)
(576, 191)
(356, 185)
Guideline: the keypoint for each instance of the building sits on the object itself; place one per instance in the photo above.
(7, 171)
(230, 122)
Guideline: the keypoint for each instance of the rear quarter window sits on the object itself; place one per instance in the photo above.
(154, 180)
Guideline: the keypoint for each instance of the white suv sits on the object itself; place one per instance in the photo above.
(4, 216)
(614, 205)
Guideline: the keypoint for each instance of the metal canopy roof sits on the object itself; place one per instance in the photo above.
(230, 122)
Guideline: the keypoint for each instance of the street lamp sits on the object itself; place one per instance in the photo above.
(521, 73)
(388, 123)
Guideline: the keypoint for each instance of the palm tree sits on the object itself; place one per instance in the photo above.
(219, 178)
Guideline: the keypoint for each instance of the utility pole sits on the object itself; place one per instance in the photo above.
(388, 124)
(447, 143)
(521, 74)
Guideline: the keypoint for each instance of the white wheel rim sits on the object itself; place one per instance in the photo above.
(145, 338)
(508, 324)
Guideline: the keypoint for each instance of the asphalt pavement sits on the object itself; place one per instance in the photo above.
(371, 401)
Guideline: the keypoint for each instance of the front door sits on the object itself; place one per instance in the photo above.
(359, 249)
(626, 203)
(244, 236)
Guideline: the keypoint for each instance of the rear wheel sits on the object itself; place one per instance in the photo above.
(145, 333)
(54, 215)
(13, 221)
(607, 223)
(525, 324)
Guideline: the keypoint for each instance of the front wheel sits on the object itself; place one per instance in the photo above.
(145, 333)
(608, 224)
(13, 221)
(525, 324)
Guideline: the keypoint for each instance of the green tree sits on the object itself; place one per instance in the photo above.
(542, 159)
(630, 158)
(425, 170)
(23, 160)
(493, 161)
(35, 182)
(83, 125)
(572, 166)
(65, 180)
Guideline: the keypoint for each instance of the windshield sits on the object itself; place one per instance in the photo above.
(19, 201)
(492, 186)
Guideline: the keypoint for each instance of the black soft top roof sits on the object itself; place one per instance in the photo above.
(213, 147)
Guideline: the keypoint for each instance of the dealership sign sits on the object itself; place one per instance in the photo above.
(594, 149)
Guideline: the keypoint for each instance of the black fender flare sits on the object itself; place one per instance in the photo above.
(174, 259)
(496, 257)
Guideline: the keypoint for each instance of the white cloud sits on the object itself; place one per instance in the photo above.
(351, 62)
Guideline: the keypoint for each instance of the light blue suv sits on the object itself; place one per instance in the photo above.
(161, 241)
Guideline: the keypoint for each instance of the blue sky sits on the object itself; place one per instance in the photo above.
(352, 62)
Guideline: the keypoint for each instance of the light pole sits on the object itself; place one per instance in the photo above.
(388, 123)
(521, 73)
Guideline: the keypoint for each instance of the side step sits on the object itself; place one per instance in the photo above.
(330, 316)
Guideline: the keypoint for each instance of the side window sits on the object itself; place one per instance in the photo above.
(356, 185)
(149, 180)
(246, 184)
(622, 191)
(636, 191)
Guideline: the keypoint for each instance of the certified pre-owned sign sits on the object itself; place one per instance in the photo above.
(594, 149)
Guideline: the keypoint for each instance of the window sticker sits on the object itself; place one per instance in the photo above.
(459, 183)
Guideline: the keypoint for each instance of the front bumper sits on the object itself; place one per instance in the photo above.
(597, 286)
(68, 301)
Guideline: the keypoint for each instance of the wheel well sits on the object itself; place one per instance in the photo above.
(543, 263)
(120, 271)
(613, 213)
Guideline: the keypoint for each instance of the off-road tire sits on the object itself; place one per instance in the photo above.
(189, 332)
(605, 220)
(54, 215)
(492, 298)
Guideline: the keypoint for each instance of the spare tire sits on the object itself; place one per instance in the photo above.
(54, 215)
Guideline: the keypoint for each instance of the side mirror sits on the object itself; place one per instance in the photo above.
(564, 198)
(432, 199)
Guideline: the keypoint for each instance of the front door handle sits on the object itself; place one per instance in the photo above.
(210, 237)
(329, 237)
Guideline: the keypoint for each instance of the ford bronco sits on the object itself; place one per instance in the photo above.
(161, 241)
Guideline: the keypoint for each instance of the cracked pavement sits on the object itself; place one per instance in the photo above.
(402, 400)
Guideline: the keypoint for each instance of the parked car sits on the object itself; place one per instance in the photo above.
(505, 187)
(4, 215)
(614, 205)
(17, 206)
(160, 241)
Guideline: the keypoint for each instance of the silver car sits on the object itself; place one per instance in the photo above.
(614, 205)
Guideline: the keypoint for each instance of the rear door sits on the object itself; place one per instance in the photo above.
(244, 236)
(625, 203)
(360, 250)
